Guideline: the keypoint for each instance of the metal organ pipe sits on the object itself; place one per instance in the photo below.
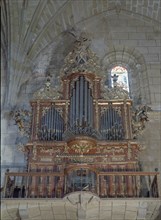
(77, 102)
(88, 106)
(110, 116)
(74, 108)
(81, 97)
(105, 126)
(52, 125)
(45, 124)
(47, 130)
(111, 127)
(81, 106)
(47, 119)
(56, 124)
(52, 122)
(112, 120)
(90, 109)
(49, 125)
(62, 128)
(71, 108)
(86, 103)
(105, 122)
(91, 113)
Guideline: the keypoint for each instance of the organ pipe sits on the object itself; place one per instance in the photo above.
(77, 101)
(86, 103)
(88, 109)
(74, 107)
(52, 125)
(81, 107)
(81, 100)
(111, 128)
(71, 110)
(81, 116)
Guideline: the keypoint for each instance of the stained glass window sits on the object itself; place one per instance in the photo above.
(119, 77)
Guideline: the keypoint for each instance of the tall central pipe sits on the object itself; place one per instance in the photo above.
(81, 105)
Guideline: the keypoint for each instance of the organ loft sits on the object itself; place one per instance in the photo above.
(82, 137)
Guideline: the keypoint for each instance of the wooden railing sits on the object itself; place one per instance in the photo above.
(128, 184)
(55, 185)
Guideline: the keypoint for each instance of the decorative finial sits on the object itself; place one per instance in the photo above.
(48, 81)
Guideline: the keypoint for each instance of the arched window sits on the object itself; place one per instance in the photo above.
(119, 77)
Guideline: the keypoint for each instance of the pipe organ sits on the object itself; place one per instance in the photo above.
(81, 106)
(81, 137)
(51, 125)
(111, 125)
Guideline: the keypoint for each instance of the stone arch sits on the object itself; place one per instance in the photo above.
(134, 62)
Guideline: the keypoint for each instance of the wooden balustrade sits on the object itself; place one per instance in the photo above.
(107, 185)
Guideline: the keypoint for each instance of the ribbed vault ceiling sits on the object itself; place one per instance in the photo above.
(38, 34)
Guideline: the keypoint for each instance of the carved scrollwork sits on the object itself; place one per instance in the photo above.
(112, 150)
(50, 151)
(115, 93)
(34, 152)
(116, 108)
(47, 92)
(44, 110)
(139, 119)
(82, 160)
(21, 147)
(120, 158)
(22, 119)
(60, 111)
(81, 59)
(129, 152)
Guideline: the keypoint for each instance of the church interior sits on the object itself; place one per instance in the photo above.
(80, 109)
